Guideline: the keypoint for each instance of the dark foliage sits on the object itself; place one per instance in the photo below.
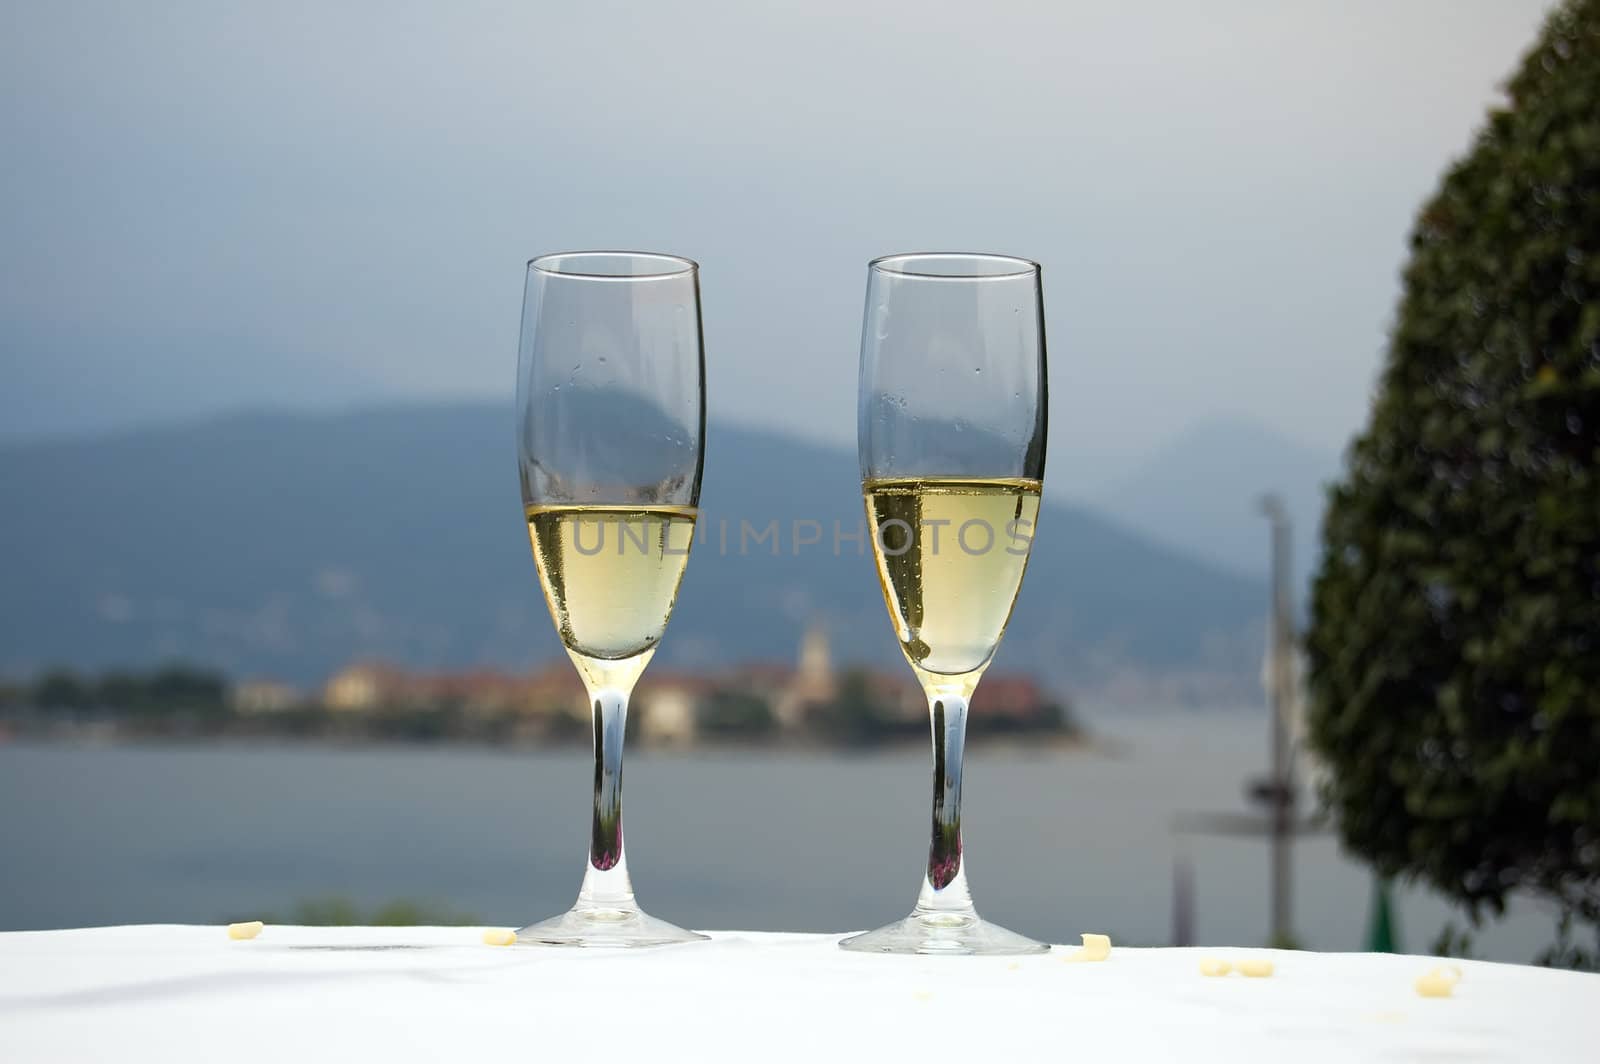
(1455, 635)
(734, 715)
(165, 690)
(857, 716)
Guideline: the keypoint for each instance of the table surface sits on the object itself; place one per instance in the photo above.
(171, 993)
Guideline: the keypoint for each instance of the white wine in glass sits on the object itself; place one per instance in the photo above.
(611, 418)
(950, 592)
(952, 426)
(610, 576)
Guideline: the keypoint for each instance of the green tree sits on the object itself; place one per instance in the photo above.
(61, 689)
(172, 688)
(121, 691)
(736, 715)
(336, 910)
(1455, 634)
(185, 688)
(856, 715)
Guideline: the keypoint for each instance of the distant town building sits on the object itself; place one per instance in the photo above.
(478, 691)
(898, 692)
(263, 696)
(369, 686)
(1013, 701)
(362, 686)
(674, 708)
(669, 706)
(811, 684)
(555, 689)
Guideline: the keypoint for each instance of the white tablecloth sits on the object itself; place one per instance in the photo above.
(401, 994)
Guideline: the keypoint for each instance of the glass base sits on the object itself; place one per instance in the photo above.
(606, 928)
(950, 933)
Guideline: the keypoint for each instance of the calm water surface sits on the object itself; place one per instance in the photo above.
(1058, 841)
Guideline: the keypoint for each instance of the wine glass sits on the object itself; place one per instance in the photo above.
(611, 418)
(951, 424)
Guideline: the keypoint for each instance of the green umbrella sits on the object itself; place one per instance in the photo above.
(1383, 935)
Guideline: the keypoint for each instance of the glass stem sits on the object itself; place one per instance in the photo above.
(605, 881)
(944, 888)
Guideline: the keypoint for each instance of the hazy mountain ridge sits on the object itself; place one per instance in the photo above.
(287, 544)
(1200, 492)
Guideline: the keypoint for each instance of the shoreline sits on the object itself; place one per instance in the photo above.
(1012, 744)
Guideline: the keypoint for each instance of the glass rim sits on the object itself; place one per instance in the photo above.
(679, 266)
(902, 264)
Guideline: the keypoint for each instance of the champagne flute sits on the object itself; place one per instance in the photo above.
(951, 422)
(611, 417)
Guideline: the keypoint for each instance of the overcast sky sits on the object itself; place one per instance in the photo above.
(209, 206)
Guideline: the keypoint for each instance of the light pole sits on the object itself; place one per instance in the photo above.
(1277, 791)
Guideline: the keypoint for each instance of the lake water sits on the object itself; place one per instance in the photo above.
(1058, 841)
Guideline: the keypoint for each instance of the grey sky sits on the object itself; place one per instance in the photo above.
(209, 205)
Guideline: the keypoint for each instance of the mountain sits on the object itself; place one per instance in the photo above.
(287, 544)
(1200, 493)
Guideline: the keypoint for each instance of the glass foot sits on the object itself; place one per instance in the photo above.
(613, 928)
(952, 934)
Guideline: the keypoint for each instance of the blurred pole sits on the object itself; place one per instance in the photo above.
(1182, 901)
(1276, 791)
(1280, 790)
